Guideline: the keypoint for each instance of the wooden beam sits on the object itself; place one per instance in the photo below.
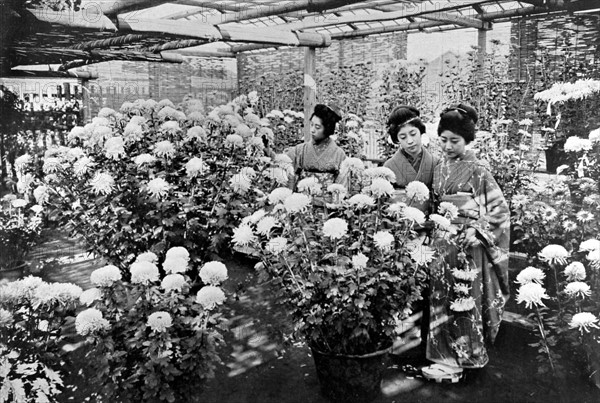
(113, 7)
(310, 90)
(481, 49)
(173, 45)
(84, 75)
(459, 20)
(205, 53)
(202, 7)
(108, 42)
(74, 19)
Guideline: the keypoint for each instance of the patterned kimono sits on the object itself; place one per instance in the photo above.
(407, 172)
(321, 160)
(466, 312)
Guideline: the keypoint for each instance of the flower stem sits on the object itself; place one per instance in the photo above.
(543, 334)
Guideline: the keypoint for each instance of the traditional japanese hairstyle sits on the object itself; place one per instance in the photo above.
(401, 116)
(459, 119)
(329, 115)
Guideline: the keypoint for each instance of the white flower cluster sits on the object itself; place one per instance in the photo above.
(213, 273)
(159, 321)
(577, 144)
(564, 91)
(105, 276)
(177, 260)
(90, 321)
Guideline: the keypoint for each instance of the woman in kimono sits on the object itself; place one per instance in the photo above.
(321, 156)
(469, 282)
(412, 161)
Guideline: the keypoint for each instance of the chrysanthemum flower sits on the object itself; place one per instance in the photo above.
(213, 273)
(18, 203)
(397, 209)
(462, 288)
(418, 191)
(133, 132)
(114, 148)
(90, 321)
(462, 304)
(178, 252)
(40, 194)
(577, 144)
(143, 159)
(413, 214)
(381, 187)
(569, 226)
(594, 257)
(361, 201)
(578, 289)
(554, 254)
(6, 318)
(56, 293)
(336, 188)
(575, 272)
(589, 245)
(23, 160)
(88, 297)
(37, 208)
(584, 216)
(158, 188)
(383, 240)
(210, 296)
(175, 265)
(520, 200)
(549, 214)
(584, 321)
(296, 202)
(265, 225)
(310, 185)
(74, 154)
(195, 167)
(359, 261)
(51, 165)
(335, 228)
(83, 165)
(531, 275)
(257, 216)
(143, 272)
(282, 160)
(278, 174)
(234, 140)
(169, 112)
(448, 209)
(160, 321)
(105, 276)
(278, 195)
(170, 127)
(173, 282)
(465, 274)
(147, 257)
(240, 183)
(248, 172)
(196, 132)
(352, 165)
(442, 222)
(164, 149)
(380, 172)
(24, 183)
(243, 235)
(102, 183)
(531, 294)
(276, 245)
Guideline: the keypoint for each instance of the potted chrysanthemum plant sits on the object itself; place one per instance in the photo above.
(350, 268)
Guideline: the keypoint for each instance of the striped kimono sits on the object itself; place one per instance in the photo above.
(465, 313)
(321, 160)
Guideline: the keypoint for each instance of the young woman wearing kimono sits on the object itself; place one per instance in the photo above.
(412, 161)
(320, 157)
(469, 282)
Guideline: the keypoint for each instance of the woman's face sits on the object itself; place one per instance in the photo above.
(409, 138)
(452, 144)
(317, 130)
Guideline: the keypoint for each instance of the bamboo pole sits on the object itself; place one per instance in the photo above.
(310, 88)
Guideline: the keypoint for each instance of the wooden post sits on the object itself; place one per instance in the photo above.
(481, 47)
(310, 88)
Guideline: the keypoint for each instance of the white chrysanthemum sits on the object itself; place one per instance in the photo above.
(465, 274)
(359, 261)
(248, 172)
(418, 191)
(175, 265)
(102, 183)
(90, 321)
(296, 202)
(380, 172)
(462, 304)
(448, 209)
(584, 321)
(234, 140)
(584, 216)
(105, 276)
(383, 240)
(461, 288)
(210, 296)
(143, 272)
(147, 257)
(213, 273)
(89, 296)
(243, 235)
(40, 194)
(310, 185)
(25, 182)
(133, 132)
(575, 272)
(397, 209)
(276, 245)
(278, 174)
(352, 165)
(578, 289)
(576, 144)
(169, 112)
(114, 148)
(158, 188)
(413, 214)
(282, 160)
(361, 201)
(195, 167)
(51, 294)
(531, 275)
(549, 214)
(37, 208)
(170, 127)
(196, 132)
(554, 254)
(74, 154)
(441, 221)
(594, 257)
(336, 188)
(164, 149)
(240, 183)
(265, 225)
(22, 161)
(18, 203)
(256, 216)
(83, 165)
(569, 226)
(173, 282)
(160, 321)
(278, 195)
(335, 228)
(589, 245)
(144, 159)
(381, 187)
(594, 136)
(531, 294)
(6, 318)
(178, 252)
(51, 165)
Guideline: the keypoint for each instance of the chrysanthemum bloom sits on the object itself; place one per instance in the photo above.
(22, 161)
(164, 149)
(361, 201)
(418, 191)
(210, 296)
(196, 132)
(278, 195)
(213, 273)
(147, 257)
(18, 203)
(105, 276)
(352, 165)
(143, 272)
(51, 165)
(335, 228)
(594, 136)
(584, 216)
(89, 296)
(381, 187)
(569, 226)
(102, 183)
(520, 200)
(282, 160)
(265, 225)
(336, 188)
(114, 148)
(195, 167)
(380, 172)
(234, 140)
(594, 257)
(24, 183)
(37, 208)
(56, 293)
(149, 104)
(578, 289)
(243, 235)
(158, 188)
(169, 112)
(465, 274)
(296, 202)
(144, 159)
(275, 113)
(584, 321)
(278, 174)
(173, 282)
(248, 172)
(462, 304)
(576, 144)
(255, 217)
(549, 214)
(413, 214)
(178, 252)
(575, 272)
(359, 261)
(240, 183)
(40, 194)
(171, 127)
(531, 294)
(442, 222)
(396, 209)
(90, 321)
(160, 321)
(531, 275)
(589, 245)
(133, 132)
(276, 245)
(6, 318)
(83, 165)
(310, 185)
(448, 209)
(74, 154)
(462, 288)
(175, 265)
(554, 254)
(383, 240)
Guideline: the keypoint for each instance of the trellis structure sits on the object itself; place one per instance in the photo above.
(92, 31)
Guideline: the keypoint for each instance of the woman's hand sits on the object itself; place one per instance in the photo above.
(470, 237)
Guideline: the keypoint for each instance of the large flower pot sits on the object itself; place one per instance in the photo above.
(350, 378)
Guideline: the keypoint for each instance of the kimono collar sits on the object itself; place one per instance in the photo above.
(469, 156)
(323, 143)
